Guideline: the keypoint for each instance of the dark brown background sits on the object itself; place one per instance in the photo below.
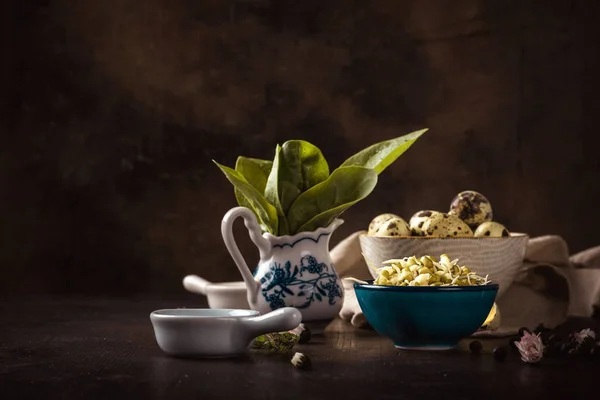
(115, 109)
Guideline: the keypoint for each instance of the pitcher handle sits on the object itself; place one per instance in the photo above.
(260, 242)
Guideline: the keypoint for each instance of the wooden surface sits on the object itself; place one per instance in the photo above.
(83, 348)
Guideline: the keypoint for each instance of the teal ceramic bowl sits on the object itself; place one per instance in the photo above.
(425, 317)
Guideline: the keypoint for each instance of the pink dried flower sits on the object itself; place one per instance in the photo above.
(531, 348)
(583, 334)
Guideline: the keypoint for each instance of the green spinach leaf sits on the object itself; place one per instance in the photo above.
(274, 187)
(322, 203)
(305, 165)
(295, 192)
(380, 155)
(256, 172)
(298, 166)
(265, 212)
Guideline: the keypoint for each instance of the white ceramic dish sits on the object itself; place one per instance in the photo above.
(225, 295)
(216, 333)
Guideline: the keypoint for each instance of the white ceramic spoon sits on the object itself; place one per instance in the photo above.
(231, 295)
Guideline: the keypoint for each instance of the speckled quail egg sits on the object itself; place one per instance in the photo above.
(418, 219)
(472, 207)
(445, 225)
(393, 227)
(378, 221)
(493, 320)
(491, 229)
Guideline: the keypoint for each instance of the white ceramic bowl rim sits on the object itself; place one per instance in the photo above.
(513, 235)
(431, 289)
(204, 313)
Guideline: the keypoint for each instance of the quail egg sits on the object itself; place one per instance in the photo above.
(393, 227)
(491, 229)
(418, 219)
(472, 207)
(378, 221)
(493, 320)
(445, 225)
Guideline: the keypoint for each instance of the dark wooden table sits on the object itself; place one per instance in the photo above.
(88, 348)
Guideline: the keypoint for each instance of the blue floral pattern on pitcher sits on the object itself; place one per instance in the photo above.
(311, 280)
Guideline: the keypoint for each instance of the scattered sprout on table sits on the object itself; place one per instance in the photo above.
(299, 330)
(301, 360)
(305, 335)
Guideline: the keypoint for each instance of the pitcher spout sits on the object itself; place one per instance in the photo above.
(335, 224)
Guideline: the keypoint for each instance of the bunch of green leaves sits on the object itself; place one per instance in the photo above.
(295, 192)
(277, 341)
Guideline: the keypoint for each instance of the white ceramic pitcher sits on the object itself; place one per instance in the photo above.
(293, 271)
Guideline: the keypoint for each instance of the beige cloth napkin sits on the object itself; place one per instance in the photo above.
(550, 286)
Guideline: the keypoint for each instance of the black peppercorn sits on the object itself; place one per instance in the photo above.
(500, 353)
(475, 347)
